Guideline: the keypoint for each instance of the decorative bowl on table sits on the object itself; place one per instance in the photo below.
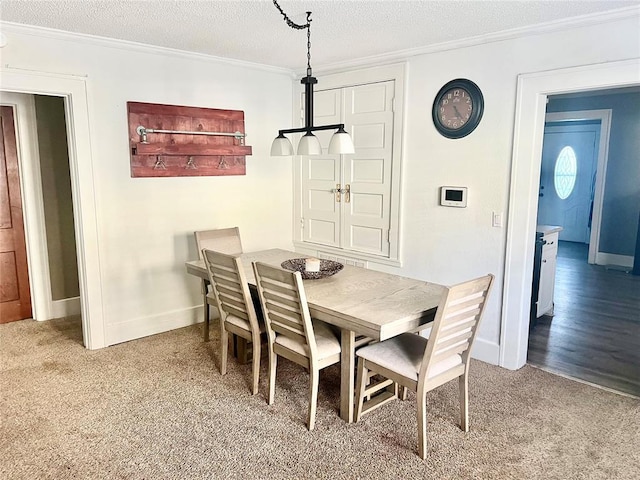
(327, 268)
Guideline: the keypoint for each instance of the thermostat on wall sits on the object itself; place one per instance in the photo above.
(453, 196)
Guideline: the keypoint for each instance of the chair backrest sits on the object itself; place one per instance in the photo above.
(284, 306)
(456, 323)
(225, 240)
(230, 287)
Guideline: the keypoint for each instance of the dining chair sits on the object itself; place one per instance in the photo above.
(291, 333)
(422, 364)
(230, 291)
(225, 240)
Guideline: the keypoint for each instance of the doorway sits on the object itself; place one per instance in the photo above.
(591, 333)
(73, 90)
(48, 210)
(532, 94)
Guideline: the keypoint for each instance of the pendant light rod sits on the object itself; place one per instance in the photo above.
(341, 142)
(308, 83)
(336, 126)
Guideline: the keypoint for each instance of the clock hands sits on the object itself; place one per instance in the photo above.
(458, 114)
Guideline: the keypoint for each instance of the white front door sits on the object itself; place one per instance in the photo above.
(567, 179)
(360, 220)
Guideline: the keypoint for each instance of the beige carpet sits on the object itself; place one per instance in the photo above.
(158, 408)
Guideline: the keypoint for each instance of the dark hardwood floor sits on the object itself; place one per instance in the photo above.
(594, 334)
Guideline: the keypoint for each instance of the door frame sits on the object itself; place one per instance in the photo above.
(531, 98)
(604, 116)
(74, 91)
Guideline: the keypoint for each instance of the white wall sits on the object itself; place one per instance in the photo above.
(448, 245)
(145, 225)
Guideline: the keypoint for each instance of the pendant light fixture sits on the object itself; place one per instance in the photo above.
(309, 144)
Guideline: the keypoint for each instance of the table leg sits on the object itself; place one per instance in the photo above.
(207, 315)
(242, 352)
(347, 371)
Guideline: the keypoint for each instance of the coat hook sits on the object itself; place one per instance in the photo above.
(222, 163)
(191, 164)
(159, 163)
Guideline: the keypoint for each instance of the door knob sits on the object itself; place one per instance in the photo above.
(337, 191)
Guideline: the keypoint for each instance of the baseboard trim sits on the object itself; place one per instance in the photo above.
(144, 326)
(65, 308)
(613, 259)
(486, 351)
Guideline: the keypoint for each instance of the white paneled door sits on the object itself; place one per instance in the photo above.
(321, 176)
(347, 198)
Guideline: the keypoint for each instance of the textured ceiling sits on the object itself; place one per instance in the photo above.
(254, 31)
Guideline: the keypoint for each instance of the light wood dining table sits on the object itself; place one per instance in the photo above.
(360, 302)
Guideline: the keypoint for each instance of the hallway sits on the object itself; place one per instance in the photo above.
(594, 334)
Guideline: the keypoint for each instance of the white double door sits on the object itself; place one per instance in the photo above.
(346, 199)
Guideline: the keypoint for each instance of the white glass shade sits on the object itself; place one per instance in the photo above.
(309, 145)
(341, 143)
(281, 147)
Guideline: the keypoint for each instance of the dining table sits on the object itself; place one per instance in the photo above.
(361, 302)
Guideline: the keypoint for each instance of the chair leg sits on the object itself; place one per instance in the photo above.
(207, 317)
(361, 384)
(224, 348)
(256, 364)
(463, 382)
(404, 394)
(313, 397)
(273, 362)
(421, 400)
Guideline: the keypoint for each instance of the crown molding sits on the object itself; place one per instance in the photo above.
(382, 59)
(514, 33)
(43, 32)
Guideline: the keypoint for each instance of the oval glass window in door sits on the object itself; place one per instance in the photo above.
(565, 171)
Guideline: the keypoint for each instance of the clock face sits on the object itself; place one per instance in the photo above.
(457, 108)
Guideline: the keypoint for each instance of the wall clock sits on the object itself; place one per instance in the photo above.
(457, 108)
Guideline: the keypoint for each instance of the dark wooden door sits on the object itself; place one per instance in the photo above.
(15, 298)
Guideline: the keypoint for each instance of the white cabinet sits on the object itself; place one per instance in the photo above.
(348, 205)
(358, 220)
(547, 269)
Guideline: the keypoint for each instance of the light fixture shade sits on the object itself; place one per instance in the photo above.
(281, 146)
(341, 143)
(309, 145)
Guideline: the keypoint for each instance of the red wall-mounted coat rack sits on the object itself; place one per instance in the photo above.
(178, 141)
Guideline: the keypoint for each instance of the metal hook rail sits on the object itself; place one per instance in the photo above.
(143, 131)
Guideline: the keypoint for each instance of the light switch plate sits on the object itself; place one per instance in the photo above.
(496, 220)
